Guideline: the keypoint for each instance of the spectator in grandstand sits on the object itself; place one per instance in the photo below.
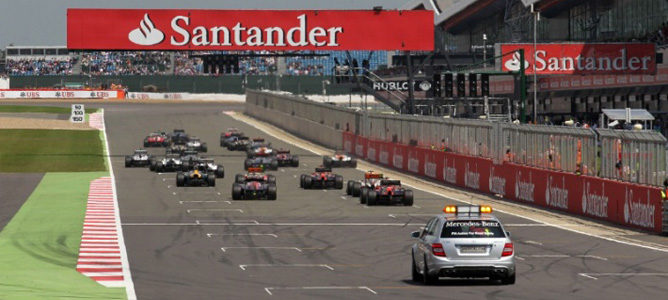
(40, 66)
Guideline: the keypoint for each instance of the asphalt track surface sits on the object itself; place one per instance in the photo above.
(15, 188)
(324, 245)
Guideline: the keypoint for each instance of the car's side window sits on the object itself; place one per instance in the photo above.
(425, 231)
(432, 227)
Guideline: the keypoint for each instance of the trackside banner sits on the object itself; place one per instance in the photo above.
(582, 58)
(172, 29)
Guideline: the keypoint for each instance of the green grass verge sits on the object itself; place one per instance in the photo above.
(40, 109)
(44, 150)
(40, 245)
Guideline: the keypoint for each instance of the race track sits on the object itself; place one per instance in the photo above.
(196, 243)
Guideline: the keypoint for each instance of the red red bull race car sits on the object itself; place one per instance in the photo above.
(339, 160)
(157, 139)
(322, 178)
(285, 159)
(387, 192)
(254, 185)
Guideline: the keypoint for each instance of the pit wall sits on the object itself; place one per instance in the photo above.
(626, 204)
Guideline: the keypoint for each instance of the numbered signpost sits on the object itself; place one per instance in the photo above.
(78, 114)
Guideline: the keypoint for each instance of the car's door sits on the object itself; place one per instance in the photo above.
(422, 246)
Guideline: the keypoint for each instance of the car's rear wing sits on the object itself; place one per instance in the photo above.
(323, 169)
(390, 182)
(255, 170)
(371, 175)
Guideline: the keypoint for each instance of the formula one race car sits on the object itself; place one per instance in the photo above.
(262, 150)
(196, 144)
(169, 163)
(371, 178)
(178, 149)
(387, 192)
(240, 144)
(286, 159)
(339, 160)
(179, 136)
(264, 162)
(322, 178)
(157, 139)
(255, 143)
(254, 185)
(229, 136)
(199, 176)
(140, 158)
(211, 166)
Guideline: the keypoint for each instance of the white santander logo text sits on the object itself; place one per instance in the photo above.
(146, 34)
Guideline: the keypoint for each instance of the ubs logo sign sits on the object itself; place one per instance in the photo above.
(449, 172)
(371, 154)
(594, 204)
(556, 196)
(429, 168)
(638, 212)
(359, 150)
(524, 190)
(471, 178)
(398, 160)
(497, 185)
(383, 157)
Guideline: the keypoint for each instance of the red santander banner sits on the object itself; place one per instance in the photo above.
(172, 29)
(582, 58)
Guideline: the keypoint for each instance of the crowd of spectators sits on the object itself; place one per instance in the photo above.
(29, 67)
(125, 63)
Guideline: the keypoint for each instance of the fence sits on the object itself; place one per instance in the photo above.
(559, 148)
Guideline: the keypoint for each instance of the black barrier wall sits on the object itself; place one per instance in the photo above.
(229, 84)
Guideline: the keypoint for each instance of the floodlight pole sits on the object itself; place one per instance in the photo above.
(523, 90)
(411, 82)
(536, 18)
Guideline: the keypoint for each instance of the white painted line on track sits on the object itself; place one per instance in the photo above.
(270, 289)
(209, 235)
(533, 243)
(229, 222)
(563, 256)
(216, 223)
(244, 267)
(215, 209)
(394, 216)
(203, 201)
(260, 247)
(127, 276)
(596, 276)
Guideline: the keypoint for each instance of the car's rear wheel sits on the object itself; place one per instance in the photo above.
(271, 192)
(295, 161)
(180, 179)
(415, 275)
(271, 179)
(301, 180)
(508, 280)
(236, 192)
(220, 171)
(427, 278)
(308, 181)
(338, 182)
(211, 180)
(408, 198)
(371, 198)
(274, 164)
(353, 163)
(128, 161)
(356, 189)
(363, 194)
(349, 187)
(239, 178)
(204, 147)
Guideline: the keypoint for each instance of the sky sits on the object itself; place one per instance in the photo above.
(43, 22)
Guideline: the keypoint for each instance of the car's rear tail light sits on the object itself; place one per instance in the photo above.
(437, 249)
(507, 249)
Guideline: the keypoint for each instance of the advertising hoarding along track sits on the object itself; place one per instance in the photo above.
(174, 29)
(582, 58)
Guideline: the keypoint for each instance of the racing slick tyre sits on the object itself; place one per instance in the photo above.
(146, 145)
(371, 198)
(353, 163)
(408, 198)
(204, 147)
(236, 192)
(239, 178)
(363, 195)
(508, 280)
(415, 275)
(220, 172)
(271, 179)
(151, 165)
(349, 187)
(356, 189)
(271, 192)
(327, 162)
(180, 179)
(338, 182)
(308, 181)
(211, 181)
(158, 167)
(273, 165)
(128, 161)
(301, 181)
(295, 161)
(428, 279)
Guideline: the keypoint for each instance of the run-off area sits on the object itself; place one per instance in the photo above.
(198, 243)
